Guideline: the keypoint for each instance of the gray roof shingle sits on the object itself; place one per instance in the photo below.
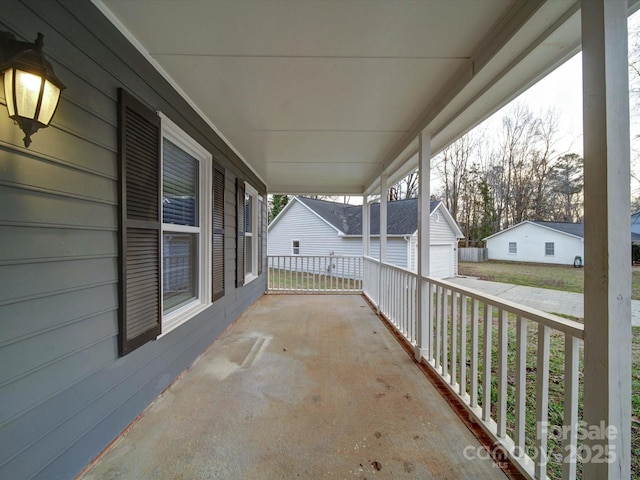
(402, 215)
(576, 229)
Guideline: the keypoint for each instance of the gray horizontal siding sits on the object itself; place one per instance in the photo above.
(65, 393)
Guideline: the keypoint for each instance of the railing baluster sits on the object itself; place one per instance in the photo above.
(445, 332)
(486, 367)
(438, 323)
(454, 338)
(542, 401)
(521, 385)
(474, 353)
(570, 443)
(502, 373)
(463, 345)
(432, 316)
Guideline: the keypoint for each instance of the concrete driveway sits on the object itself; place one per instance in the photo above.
(551, 301)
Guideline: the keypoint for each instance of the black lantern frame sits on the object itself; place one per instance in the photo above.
(32, 89)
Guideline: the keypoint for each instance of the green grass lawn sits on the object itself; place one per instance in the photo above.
(559, 278)
(556, 277)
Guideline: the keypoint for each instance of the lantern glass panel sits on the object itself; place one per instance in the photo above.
(8, 91)
(49, 102)
(27, 87)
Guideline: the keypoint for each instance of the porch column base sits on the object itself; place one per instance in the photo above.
(420, 354)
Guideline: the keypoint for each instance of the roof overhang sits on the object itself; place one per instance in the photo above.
(325, 96)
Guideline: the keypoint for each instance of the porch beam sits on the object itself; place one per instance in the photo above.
(607, 240)
(424, 228)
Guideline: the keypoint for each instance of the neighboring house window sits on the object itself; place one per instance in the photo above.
(549, 248)
(186, 236)
(513, 247)
(295, 247)
(251, 223)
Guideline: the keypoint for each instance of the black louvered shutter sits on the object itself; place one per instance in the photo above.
(218, 234)
(239, 233)
(261, 233)
(140, 226)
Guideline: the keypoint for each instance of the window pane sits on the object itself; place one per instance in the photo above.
(549, 248)
(248, 208)
(179, 186)
(248, 251)
(179, 268)
(513, 247)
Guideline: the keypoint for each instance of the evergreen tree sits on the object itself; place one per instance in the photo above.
(278, 202)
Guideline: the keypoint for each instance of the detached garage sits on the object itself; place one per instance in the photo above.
(317, 227)
(538, 242)
(441, 261)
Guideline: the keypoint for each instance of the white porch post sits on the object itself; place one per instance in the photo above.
(366, 229)
(424, 225)
(607, 280)
(383, 217)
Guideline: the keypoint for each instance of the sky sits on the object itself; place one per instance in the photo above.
(562, 90)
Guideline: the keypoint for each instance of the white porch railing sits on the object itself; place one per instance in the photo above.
(335, 274)
(495, 356)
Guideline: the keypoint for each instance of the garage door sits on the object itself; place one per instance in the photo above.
(440, 261)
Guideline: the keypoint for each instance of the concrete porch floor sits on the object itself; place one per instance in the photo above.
(299, 387)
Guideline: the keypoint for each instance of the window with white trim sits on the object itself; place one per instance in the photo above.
(251, 208)
(186, 222)
(513, 247)
(549, 249)
(295, 247)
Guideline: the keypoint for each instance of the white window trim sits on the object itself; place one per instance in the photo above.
(509, 252)
(253, 274)
(554, 249)
(173, 319)
(293, 247)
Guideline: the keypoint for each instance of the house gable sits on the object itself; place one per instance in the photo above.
(315, 236)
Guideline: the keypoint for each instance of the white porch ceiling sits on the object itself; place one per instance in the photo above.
(323, 96)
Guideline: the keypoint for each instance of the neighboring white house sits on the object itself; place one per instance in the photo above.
(318, 227)
(538, 242)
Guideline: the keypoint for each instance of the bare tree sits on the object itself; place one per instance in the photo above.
(453, 166)
(522, 164)
(405, 188)
(567, 182)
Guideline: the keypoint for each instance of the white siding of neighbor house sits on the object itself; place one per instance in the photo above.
(319, 238)
(530, 240)
(441, 235)
(315, 235)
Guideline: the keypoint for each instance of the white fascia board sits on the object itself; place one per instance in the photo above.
(134, 41)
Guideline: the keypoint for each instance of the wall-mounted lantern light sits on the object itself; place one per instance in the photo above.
(31, 89)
